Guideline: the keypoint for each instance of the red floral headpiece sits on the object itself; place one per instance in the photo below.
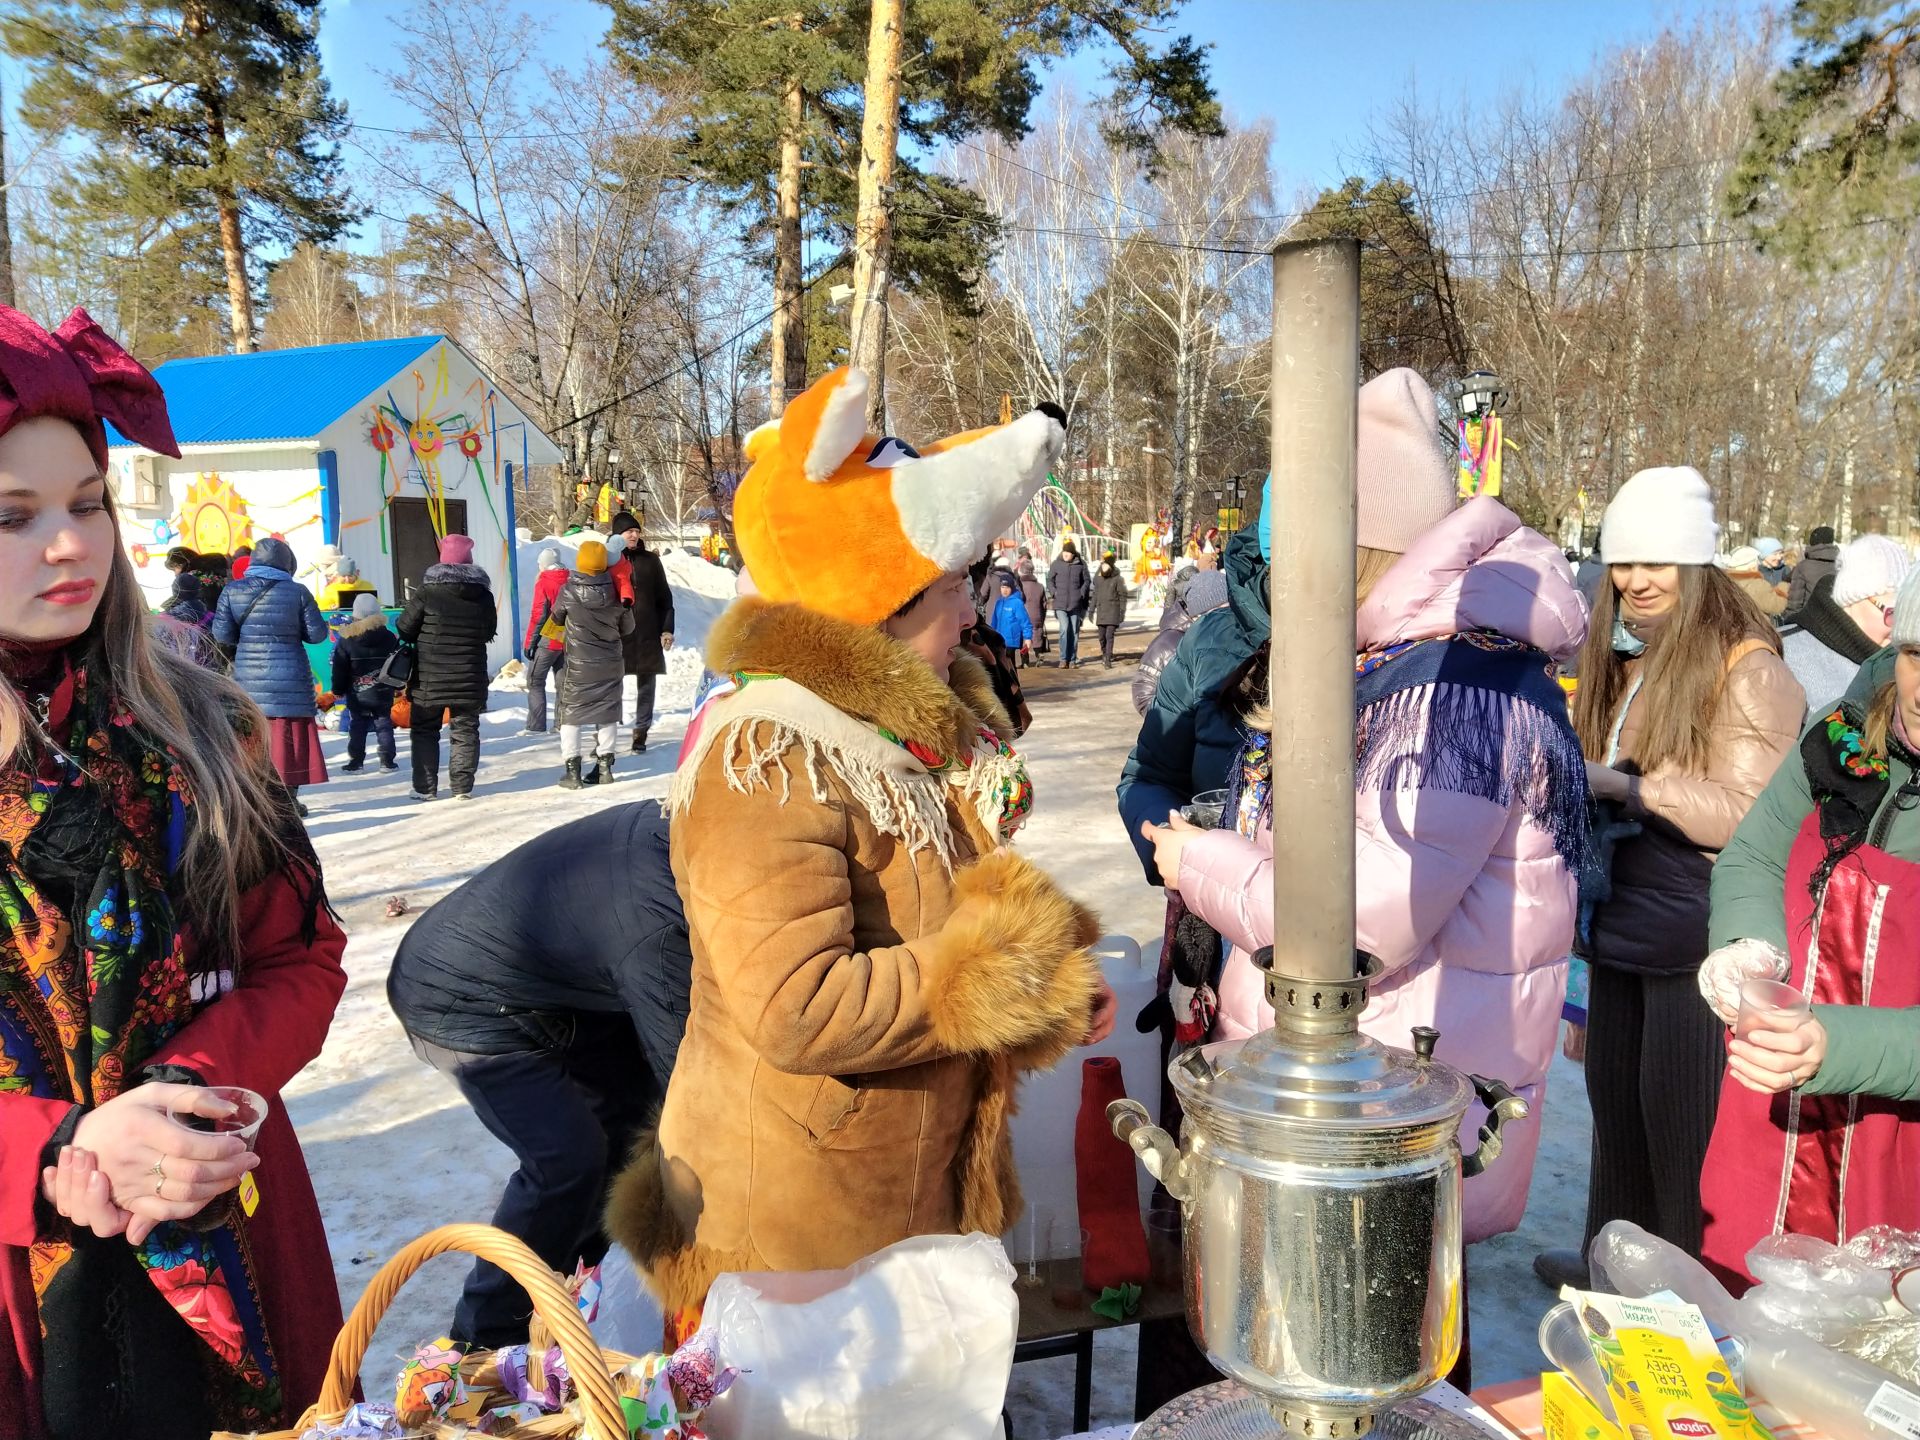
(79, 373)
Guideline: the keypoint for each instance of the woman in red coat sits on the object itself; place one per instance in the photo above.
(162, 929)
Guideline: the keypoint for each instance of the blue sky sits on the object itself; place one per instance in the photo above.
(1318, 69)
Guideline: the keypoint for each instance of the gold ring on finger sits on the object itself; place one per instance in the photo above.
(158, 1167)
(158, 1184)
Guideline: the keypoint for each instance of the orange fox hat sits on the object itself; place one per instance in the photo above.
(854, 525)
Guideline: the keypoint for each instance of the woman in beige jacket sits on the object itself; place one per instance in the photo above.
(873, 969)
(1685, 710)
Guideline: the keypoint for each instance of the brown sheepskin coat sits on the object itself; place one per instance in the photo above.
(872, 971)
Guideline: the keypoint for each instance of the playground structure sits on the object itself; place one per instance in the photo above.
(1054, 513)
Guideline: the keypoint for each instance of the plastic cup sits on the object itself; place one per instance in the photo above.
(1164, 1255)
(1769, 1005)
(1037, 1231)
(249, 1114)
(1564, 1343)
(1069, 1288)
(1205, 809)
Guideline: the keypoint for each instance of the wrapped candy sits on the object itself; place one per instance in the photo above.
(361, 1422)
(667, 1394)
(536, 1378)
(431, 1387)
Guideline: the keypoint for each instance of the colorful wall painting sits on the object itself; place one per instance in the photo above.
(213, 517)
(433, 436)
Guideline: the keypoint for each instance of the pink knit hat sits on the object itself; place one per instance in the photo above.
(456, 550)
(1406, 484)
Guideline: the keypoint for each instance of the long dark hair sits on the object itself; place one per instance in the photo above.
(1684, 666)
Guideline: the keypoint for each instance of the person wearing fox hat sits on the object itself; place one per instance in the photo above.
(873, 967)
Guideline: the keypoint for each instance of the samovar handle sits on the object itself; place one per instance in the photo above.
(1502, 1105)
(1154, 1146)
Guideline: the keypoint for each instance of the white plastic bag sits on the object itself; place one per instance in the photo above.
(915, 1342)
(630, 1319)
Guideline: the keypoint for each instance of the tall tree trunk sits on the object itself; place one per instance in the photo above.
(1846, 491)
(6, 231)
(790, 322)
(233, 242)
(873, 223)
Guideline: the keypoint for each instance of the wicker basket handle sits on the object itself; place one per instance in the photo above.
(551, 1303)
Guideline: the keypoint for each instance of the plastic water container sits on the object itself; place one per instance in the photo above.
(1050, 1101)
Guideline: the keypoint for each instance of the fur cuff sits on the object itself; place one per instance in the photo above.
(1009, 971)
(641, 1220)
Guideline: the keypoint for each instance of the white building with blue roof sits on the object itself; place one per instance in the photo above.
(375, 448)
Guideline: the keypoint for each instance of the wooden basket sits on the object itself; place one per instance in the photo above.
(555, 1315)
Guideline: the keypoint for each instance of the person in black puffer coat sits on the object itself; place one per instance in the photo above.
(360, 650)
(1204, 590)
(265, 619)
(1035, 594)
(184, 623)
(1069, 588)
(1109, 604)
(553, 988)
(450, 620)
(597, 625)
(641, 582)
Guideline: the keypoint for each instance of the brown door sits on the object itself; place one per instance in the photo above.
(415, 546)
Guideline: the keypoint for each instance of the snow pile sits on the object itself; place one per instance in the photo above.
(700, 592)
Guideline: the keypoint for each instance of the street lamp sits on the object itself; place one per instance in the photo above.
(1482, 393)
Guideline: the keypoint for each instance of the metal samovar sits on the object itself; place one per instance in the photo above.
(1319, 1172)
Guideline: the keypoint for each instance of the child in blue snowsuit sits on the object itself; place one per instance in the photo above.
(1011, 622)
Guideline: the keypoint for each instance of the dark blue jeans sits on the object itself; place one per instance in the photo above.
(1069, 635)
(569, 1106)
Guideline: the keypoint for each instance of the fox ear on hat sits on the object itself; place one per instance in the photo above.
(826, 424)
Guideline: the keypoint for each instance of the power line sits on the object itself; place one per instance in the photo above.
(708, 354)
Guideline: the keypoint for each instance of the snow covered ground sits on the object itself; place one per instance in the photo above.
(395, 1151)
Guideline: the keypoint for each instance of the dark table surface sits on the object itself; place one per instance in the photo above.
(1041, 1319)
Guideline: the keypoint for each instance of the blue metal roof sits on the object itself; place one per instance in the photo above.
(276, 394)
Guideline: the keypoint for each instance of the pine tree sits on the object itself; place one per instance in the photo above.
(1837, 155)
(781, 88)
(213, 111)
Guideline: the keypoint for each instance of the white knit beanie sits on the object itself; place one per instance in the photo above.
(1662, 516)
(1906, 612)
(1870, 565)
(1406, 481)
(550, 559)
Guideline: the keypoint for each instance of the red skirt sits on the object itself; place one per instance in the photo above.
(295, 747)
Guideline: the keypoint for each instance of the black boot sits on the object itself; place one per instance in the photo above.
(639, 742)
(1560, 1268)
(571, 780)
(603, 775)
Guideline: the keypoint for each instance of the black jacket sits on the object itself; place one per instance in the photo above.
(642, 582)
(361, 649)
(1819, 562)
(452, 619)
(582, 918)
(1109, 597)
(1069, 587)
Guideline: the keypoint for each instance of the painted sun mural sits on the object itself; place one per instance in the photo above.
(213, 517)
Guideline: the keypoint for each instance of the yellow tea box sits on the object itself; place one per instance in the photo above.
(1667, 1378)
(1569, 1414)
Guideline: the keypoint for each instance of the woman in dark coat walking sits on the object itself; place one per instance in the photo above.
(597, 626)
(1035, 594)
(451, 620)
(266, 618)
(641, 582)
(1109, 605)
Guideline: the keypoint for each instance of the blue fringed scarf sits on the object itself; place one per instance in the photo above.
(1474, 714)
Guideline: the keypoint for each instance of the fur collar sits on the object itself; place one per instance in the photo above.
(860, 671)
(455, 575)
(362, 627)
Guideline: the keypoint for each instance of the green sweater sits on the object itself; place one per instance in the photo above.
(1869, 1051)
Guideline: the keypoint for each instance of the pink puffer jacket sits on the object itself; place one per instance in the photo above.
(1466, 902)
